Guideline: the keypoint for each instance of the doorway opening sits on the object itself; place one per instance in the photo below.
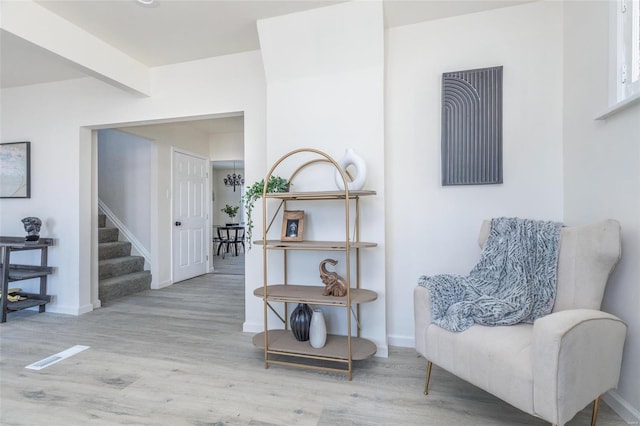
(228, 187)
(218, 137)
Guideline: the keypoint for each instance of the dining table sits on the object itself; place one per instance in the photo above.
(229, 239)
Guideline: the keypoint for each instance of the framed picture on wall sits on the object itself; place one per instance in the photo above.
(15, 170)
(292, 225)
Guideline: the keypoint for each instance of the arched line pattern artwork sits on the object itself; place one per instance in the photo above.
(472, 127)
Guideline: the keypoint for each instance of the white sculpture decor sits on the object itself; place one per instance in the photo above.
(317, 330)
(350, 158)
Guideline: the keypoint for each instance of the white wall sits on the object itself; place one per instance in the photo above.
(226, 146)
(124, 180)
(325, 79)
(55, 118)
(602, 171)
(433, 229)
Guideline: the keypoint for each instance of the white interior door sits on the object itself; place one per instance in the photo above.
(190, 219)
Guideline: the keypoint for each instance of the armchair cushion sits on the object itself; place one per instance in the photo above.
(496, 359)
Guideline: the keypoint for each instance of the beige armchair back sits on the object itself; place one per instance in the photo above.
(588, 255)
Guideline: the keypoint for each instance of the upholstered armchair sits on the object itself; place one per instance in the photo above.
(555, 367)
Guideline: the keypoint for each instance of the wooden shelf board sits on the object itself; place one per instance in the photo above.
(313, 295)
(313, 245)
(33, 300)
(283, 342)
(319, 195)
(19, 242)
(25, 272)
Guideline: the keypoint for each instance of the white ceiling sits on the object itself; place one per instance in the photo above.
(172, 31)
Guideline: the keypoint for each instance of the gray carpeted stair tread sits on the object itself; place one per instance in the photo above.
(106, 235)
(123, 285)
(120, 266)
(113, 249)
(120, 274)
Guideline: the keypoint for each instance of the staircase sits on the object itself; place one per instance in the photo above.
(120, 274)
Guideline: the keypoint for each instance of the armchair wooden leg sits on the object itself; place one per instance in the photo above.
(594, 414)
(426, 383)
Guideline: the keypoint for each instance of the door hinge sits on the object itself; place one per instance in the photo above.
(623, 6)
(623, 74)
(207, 257)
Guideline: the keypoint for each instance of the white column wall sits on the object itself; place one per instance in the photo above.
(602, 174)
(433, 229)
(325, 78)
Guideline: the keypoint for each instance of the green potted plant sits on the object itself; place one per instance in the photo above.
(254, 192)
(231, 211)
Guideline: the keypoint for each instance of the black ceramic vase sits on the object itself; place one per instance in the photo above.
(300, 321)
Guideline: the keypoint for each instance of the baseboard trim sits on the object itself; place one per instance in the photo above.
(382, 352)
(618, 404)
(402, 341)
(161, 285)
(252, 327)
(70, 310)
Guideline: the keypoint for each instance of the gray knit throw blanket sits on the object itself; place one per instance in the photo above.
(514, 281)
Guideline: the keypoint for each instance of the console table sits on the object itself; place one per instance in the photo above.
(13, 272)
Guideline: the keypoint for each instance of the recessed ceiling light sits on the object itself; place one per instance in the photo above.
(146, 2)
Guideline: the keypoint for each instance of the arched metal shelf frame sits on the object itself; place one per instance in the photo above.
(340, 349)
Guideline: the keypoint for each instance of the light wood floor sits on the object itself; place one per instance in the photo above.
(229, 264)
(178, 356)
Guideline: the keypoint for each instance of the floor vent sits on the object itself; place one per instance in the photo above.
(43, 363)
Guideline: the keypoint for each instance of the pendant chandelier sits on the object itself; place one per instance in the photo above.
(234, 179)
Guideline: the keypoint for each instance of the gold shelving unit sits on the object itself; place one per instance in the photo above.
(280, 347)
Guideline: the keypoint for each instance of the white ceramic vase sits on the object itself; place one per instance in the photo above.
(350, 158)
(317, 329)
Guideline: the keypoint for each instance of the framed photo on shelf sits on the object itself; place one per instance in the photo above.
(292, 225)
(15, 170)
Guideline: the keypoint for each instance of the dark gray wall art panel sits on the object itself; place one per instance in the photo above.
(472, 127)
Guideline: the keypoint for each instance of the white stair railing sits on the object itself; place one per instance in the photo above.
(136, 246)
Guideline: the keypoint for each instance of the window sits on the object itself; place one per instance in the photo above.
(628, 62)
(624, 56)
